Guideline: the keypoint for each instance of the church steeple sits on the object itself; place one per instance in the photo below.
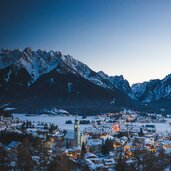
(77, 133)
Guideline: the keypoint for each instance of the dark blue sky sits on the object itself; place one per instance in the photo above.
(129, 37)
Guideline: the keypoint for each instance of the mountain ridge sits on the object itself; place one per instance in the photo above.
(34, 74)
(22, 70)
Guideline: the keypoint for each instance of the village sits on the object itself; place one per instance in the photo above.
(113, 141)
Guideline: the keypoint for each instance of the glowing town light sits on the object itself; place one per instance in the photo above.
(116, 127)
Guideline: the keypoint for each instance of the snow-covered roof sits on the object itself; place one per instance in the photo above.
(72, 149)
(69, 135)
(94, 142)
(31, 129)
(90, 155)
(108, 137)
(35, 157)
(13, 144)
(58, 134)
(149, 141)
(166, 142)
(110, 161)
(129, 161)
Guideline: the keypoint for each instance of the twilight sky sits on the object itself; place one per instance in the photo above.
(128, 37)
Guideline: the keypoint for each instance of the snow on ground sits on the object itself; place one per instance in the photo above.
(160, 127)
(58, 120)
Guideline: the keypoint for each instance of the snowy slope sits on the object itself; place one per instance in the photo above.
(39, 62)
(32, 65)
(33, 80)
(36, 63)
(119, 82)
(84, 71)
(153, 90)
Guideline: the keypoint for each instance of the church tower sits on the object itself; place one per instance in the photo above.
(77, 138)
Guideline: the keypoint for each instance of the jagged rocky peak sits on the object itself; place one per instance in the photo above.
(102, 74)
(118, 82)
(28, 50)
(122, 84)
(167, 79)
(67, 59)
(83, 70)
(77, 66)
(153, 90)
(139, 89)
(38, 62)
(119, 78)
(46, 55)
(35, 63)
(116, 77)
(36, 74)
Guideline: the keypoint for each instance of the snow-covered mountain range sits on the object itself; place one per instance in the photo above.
(120, 83)
(40, 78)
(153, 90)
(39, 62)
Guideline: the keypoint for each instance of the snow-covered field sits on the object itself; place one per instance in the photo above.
(58, 120)
(161, 127)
